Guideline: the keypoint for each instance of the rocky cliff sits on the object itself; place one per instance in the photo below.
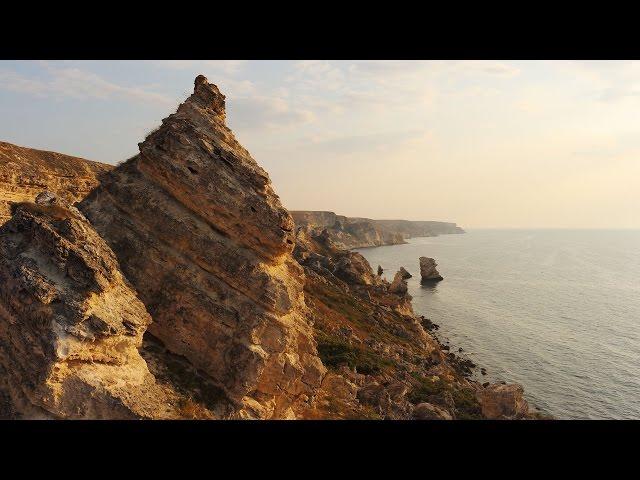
(70, 324)
(180, 288)
(355, 232)
(384, 361)
(25, 172)
(207, 244)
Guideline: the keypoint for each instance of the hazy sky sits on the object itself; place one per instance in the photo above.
(484, 144)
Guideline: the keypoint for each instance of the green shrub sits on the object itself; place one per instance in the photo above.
(335, 353)
(426, 389)
(467, 405)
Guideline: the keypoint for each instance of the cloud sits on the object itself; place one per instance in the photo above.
(266, 112)
(78, 84)
(318, 74)
(365, 143)
(490, 68)
(228, 67)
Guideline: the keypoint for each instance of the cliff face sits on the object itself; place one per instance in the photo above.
(25, 172)
(207, 244)
(411, 228)
(70, 325)
(355, 232)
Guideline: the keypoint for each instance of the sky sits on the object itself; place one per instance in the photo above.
(485, 144)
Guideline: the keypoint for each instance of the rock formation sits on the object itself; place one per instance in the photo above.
(428, 272)
(355, 232)
(406, 275)
(503, 402)
(399, 284)
(413, 228)
(207, 244)
(25, 172)
(70, 325)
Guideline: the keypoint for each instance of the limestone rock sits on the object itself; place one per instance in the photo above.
(204, 239)
(503, 402)
(25, 172)
(70, 324)
(428, 272)
(427, 411)
(399, 284)
(406, 275)
(357, 232)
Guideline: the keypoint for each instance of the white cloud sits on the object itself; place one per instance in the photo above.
(76, 83)
(228, 67)
(266, 112)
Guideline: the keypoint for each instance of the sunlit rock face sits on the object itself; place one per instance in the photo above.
(26, 172)
(70, 324)
(208, 246)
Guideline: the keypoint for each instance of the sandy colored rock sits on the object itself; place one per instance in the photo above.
(428, 272)
(70, 325)
(25, 172)
(399, 284)
(206, 242)
(357, 232)
(503, 402)
(406, 275)
(427, 411)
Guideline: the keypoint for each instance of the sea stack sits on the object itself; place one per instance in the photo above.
(399, 284)
(428, 271)
(406, 275)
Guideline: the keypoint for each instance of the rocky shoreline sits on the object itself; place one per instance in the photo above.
(179, 287)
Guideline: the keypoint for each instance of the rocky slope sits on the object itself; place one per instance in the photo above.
(25, 172)
(384, 361)
(355, 232)
(180, 288)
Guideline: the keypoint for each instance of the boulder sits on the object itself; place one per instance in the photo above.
(427, 411)
(428, 272)
(503, 402)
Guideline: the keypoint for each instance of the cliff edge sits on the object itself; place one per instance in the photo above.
(356, 232)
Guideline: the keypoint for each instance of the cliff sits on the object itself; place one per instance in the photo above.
(25, 172)
(180, 288)
(355, 232)
(205, 241)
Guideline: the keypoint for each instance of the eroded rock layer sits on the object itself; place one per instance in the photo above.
(70, 325)
(25, 172)
(201, 234)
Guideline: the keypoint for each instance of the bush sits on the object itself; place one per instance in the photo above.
(426, 389)
(335, 353)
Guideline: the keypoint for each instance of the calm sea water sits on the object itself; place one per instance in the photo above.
(557, 311)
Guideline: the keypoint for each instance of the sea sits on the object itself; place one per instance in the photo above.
(557, 311)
